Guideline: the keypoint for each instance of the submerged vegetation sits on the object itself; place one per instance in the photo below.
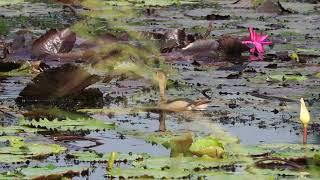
(159, 89)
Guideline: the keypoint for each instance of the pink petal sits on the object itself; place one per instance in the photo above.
(251, 32)
(259, 47)
(255, 36)
(262, 38)
(266, 43)
(253, 58)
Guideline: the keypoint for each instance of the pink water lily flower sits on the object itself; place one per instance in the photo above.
(258, 42)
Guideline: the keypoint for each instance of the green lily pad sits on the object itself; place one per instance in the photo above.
(4, 2)
(242, 150)
(87, 156)
(207, 146)
(34, 150)
(9, 158)
(54, 113)
(147, 173)
(69, 124)
(229, 175)
(308, 52)
(163, 138)
(51, 172)
(10, 130)
(283, 77)
(277, 173)
(186, 163)
(291, 151)
(9, 177)
(20, 151)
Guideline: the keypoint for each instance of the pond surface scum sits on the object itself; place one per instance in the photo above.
(159, 89)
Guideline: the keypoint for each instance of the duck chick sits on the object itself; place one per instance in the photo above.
(181, 104)
(185, 104)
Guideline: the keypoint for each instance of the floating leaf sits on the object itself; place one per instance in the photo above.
(9, 176)
(276, 173)
(288, 77)
(291, 151)
(162, 138)
(147, 173)
(19, 151)
(52, 172)
(247, 151)
(69, 124)
(54, 113)
(229, 175)
(87, 156)
(207, 146)
(9, 158)
(308, 52)
(186, 163)
(10, 130)
(11, 2)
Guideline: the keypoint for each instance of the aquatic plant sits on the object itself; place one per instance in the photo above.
(257, 43)
(304, 118)
(111, 160)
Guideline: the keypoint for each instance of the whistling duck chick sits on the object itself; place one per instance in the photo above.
(181, 104)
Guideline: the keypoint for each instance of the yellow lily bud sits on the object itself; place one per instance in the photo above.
(304, 113)
(111, 160)
(294, 56)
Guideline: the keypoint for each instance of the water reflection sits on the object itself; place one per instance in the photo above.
(162, 121)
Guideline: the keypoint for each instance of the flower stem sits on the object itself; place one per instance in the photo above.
(305, 134)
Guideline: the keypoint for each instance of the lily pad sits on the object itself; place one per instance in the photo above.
(229, 176)
(18, 150)
(9, 158)
(291, 151)
(186, 163)
(87, 156)
(69, 124)
(9, 176)
(207, 146)
(10, 130)
(308, 52)
(288, 77)
(276, 173)
(253, 151)
(3, 3)
(147, 173)
(163, 138)
(52, 172)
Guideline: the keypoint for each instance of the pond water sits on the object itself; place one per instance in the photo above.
(256, 102)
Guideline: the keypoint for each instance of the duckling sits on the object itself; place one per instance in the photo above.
(181, 104)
